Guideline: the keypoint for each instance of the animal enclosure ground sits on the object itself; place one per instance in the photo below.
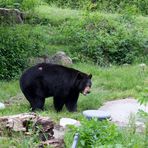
(108, 83)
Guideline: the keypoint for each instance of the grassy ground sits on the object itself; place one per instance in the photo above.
(108, 84)
(56, 15)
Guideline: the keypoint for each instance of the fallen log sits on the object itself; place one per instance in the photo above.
(43, 126)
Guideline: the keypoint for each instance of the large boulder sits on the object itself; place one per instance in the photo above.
(10, 16)
(123, 111)
(2, 106)
(58, 58)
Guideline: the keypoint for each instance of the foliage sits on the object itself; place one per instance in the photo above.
(111, 6)
(104, 134)
(107, 84)
(55, 16)
(68, 3)
(20, 4)
(17, 44)
(143, 99)
(103, 39)
(94, 133)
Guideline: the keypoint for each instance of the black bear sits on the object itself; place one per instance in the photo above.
(46, 80)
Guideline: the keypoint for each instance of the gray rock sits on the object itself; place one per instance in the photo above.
(2, 106)
(60, 58)
(11, 16)
(142, 66)
(124, 110)
(59, 132)
(68, 121)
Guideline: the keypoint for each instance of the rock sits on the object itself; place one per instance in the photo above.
(2, 106)
(125, 64)
(68, 121)
(142, 66)
(60, 58)
(36, 60)
(89, 114)
(59, 132)
(122, 110)
(11, 16)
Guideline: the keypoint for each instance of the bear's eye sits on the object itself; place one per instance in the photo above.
(88, 84)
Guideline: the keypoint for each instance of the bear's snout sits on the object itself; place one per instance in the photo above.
(86, 90)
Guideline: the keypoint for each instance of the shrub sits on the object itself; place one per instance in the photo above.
(95, 133)
(103, 39)
(104, 134)
(134, 6)
(17, 44)
(20, 4)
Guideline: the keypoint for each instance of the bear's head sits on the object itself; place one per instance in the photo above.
(84, 83)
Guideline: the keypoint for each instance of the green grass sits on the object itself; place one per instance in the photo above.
(56, 15)
(8, 89)
(107, 84)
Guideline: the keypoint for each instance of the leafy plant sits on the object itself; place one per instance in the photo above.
(143, 99)
(17, 45)
(120, 6)
(94, 133)
(102, 39)
(20, 4)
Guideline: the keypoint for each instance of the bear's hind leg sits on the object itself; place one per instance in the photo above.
(71, 106)
(58, 103)
(36, 102)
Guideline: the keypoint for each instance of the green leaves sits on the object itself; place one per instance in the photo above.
(17, 45)
(143, 99)
(94, 133)
(103, 39)
(112, 6)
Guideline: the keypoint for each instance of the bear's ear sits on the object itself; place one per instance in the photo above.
(90, 76)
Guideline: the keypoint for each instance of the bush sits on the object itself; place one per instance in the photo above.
(20, 4)
(104, 134)
(103, 39)
(134, 6)
(17, 44)
(94, 133)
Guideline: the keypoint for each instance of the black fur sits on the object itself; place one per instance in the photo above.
(46, 80)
